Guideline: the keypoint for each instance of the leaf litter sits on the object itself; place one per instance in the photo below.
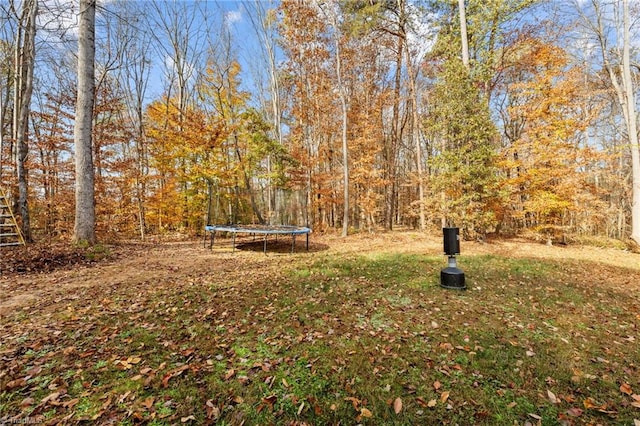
(179, 334)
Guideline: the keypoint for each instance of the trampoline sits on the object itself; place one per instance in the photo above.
(254, 230)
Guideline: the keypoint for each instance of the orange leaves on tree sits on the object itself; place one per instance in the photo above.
(546, 162)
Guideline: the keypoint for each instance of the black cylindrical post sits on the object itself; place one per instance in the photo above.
(451, 241)
(451, 277)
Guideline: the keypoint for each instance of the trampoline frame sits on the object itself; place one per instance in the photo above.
(265, 230)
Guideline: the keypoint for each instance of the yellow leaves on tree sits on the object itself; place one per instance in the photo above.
(547, 165)
(182, 147)
(212, 148)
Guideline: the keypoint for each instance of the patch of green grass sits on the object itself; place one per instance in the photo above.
(86, 408)
(97, 252)
(163, 410)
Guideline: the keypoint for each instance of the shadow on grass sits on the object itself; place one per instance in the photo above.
(283, 245)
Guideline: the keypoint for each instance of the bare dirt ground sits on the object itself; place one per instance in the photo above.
(40, 275)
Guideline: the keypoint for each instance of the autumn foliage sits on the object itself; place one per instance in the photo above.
(370, 120)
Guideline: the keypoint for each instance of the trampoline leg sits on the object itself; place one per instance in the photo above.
(264, 249)
(307, 241)
(293, 242)
(213, 237)
(234, 243)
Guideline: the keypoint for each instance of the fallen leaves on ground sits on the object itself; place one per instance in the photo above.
(183, 335)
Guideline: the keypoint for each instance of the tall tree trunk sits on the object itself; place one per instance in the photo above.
(345, 148)
(140, 174)
(262, 24)
(412, 75)
(135, 77)
(3, 107)
(85, 217)
(391, 149)
(342, 96)
(345, 165)
(415, 134)
(624, 92)
(24, 66)
(463, 33)
(632, 127)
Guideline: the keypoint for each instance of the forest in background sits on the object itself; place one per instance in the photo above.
(352, 115)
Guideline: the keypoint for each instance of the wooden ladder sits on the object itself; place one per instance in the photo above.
(10, 234)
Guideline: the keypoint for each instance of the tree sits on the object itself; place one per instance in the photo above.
(413, 61)
(25, 56)
(616, 62)
(309, 105)
(393, 22)
(464, 173)
(8, 30)
(181, 39)
(85, 218)
(5, 89)
(134, 78)
(264, 24)
(629, 99)
(463, 33)
(548, 164)
(52, 165)
(228, 101)
(397, 29)
(341, 90)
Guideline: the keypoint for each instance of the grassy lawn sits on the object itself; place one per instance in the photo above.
(320, 338)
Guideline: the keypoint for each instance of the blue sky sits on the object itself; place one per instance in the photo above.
(213, 20)
(62, 15)
(58, 18)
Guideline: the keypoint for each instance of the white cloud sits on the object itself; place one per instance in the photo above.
(422, 34)
(61, 16)
(233, 16)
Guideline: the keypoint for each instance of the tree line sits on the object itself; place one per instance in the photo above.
(496, 117)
